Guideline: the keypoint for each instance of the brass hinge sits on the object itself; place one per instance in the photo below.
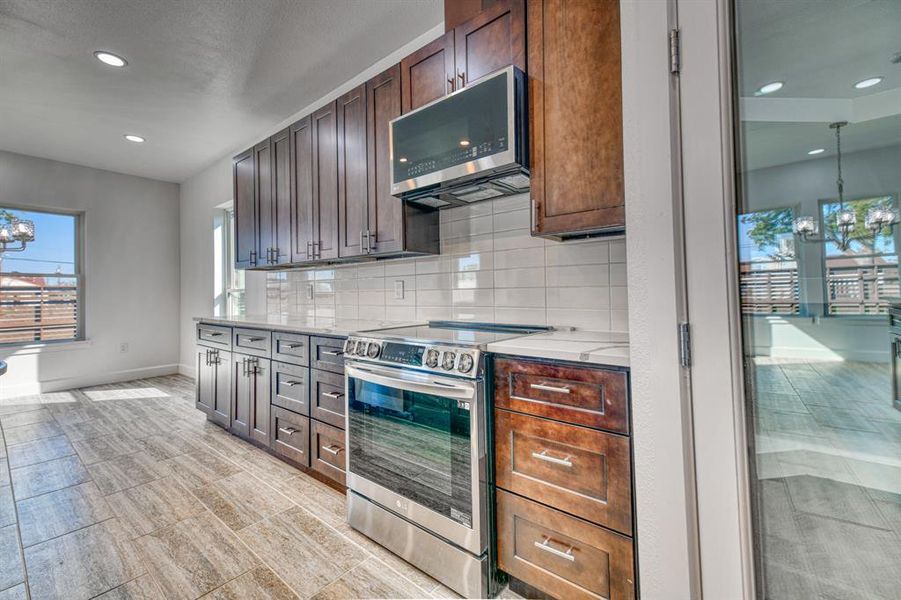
(675, 54)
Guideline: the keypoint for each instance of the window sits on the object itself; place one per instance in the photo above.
(41, 286)
(859, 279)
(229, 285)
(768, 269)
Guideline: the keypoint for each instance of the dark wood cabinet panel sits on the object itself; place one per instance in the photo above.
(327, 397)
(290, 435)
(213, 384)
(386, 213)
(291, 348)
(204, 381)
(251, 341)
(561, 554)
(300, 139)
(251, 398)
(290, 387)
(325, 181)
(242, 396)
(262, 166)
(352, 173)
(582, 471)
(327, 353)
(259, 410)
(327, 453)
(245, 209)
(489, 41)
(281, 197)
(428, 73)
(575, 117)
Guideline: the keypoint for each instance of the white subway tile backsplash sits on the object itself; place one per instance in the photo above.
(491, 269)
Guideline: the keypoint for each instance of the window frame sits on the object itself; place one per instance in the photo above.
(78, 275)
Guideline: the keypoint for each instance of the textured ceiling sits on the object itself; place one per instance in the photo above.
(204, 76)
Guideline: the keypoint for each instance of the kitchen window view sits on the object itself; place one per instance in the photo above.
(819, 144)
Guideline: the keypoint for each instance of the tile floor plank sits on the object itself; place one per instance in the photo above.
(239, 500)
(57, 513)
(38, 451)
(258, 584)
(145, 508)
(48, 476)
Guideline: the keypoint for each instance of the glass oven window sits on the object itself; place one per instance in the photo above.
(416, 445)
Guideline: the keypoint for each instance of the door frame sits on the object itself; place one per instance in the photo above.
(711, 274)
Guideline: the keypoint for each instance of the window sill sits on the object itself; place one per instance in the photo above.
(27, 349)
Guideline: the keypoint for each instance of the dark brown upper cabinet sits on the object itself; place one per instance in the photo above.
(575, 117)
(281, 197)
(262, 168)
(428, 73)
(489, 41)
(246, 217)
(353, 196)
(325, 182)
(300, 144)
(386, 213)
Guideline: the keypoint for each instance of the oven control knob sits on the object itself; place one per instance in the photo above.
(465, 365)
(373, 350)
(447, 363)
(349, 346)
(361, 348)
(431, 358)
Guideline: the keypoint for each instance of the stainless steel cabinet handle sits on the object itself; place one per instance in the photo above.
(549, 388)
(362, 235)
(253, 258)
(244, 367)
(291, 383)
(207, 358)
(333, 395)
(213, 333)
(546, 546)
(252, 339)
(293, 346)
(462, 77)
(215, 358)
(332, 449)
(309, 250)
(333, 352)
(450, 85)
(543, 455)
(287, 430)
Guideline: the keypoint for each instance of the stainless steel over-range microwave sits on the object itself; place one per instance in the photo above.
(471, 145)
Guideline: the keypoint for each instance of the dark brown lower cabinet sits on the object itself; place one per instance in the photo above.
(291, 435)
(562, 555)
(327, 453)
(213, 384)
(251, 398)
(327, 353)
(327, 397)
(290, 387)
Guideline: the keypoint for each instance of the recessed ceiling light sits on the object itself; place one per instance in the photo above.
(769, 88)
(402, 159)
(817, 151)
(108, 58)
(868, 83)
(133, 138)
(464, 143)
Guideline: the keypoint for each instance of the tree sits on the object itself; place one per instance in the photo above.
(768, 225)
(860, 234)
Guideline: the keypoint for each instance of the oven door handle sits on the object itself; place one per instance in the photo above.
(425, 386)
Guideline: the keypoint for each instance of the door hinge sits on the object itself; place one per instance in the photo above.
(675, 54)
(685, 345)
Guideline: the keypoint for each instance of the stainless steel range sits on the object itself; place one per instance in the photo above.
(417, 473)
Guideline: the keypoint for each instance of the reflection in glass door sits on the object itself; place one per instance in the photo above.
(818, 104)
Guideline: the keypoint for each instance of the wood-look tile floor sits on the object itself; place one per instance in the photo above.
(828, 479)
(125, 491)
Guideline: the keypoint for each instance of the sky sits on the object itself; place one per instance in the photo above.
(53, 247)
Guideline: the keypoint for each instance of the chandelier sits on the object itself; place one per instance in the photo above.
(878, 217)
(16, 230)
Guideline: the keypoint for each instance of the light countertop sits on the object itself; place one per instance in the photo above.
(594, 347)
(335, 327)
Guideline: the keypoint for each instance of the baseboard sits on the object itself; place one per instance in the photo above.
(187, 370)
(823, 354)
(68, 383)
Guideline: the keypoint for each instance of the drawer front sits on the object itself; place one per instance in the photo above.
(214, 336)
(291, 348)
(327, 450)
(591, 397)
(561, 555)
(290, 387)
(291, 435)
(582, 471)
(327, 397)
(251, 341)
(327, 354)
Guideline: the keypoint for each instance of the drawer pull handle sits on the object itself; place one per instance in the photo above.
(291, 383)
(543, 455)
(287, 430)
(213, 333)
(332, 449)
(546, 546)
(333, 352)
(549, 388)
(293, 346)
(333, 395)
(253, 339)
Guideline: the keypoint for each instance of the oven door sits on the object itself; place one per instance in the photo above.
(413, 448)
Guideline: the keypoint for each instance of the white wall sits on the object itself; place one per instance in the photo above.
(131, 250)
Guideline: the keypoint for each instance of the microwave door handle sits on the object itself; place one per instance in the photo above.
(447, 390)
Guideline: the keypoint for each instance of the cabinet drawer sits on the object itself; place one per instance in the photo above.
(583, 396)
(291, 435)
(291, 348)
(327, 397)
(327, 354)
(562, 555)
(582, 471)
(327, 450)
(214, 336)
(290, 387)
(251, 341)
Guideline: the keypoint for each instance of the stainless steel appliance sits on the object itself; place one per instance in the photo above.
(471, 145)
(417, 470)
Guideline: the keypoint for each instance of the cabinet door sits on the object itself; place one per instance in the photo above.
(259, 410)
(352, 181)
(205, 381)
(222, 376)
(428, 73)
(325, 181)
(262, 166)
(386, 216)
(300, 138)
(575, 116)
(491, 40)
(242, 396)
(281, 197)
(245, 210)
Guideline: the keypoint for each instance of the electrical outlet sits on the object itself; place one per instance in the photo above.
(398, 289)
(309, 291)
(123, 347)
